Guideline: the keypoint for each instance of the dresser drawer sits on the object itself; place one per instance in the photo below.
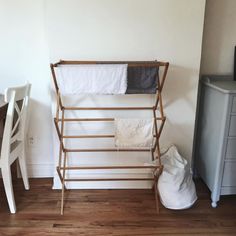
(232, 126)
(229, 174)
(233, 109)
(231, 149)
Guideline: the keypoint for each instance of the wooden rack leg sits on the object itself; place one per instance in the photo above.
(61, 140)
(158, 153)
(63, 185)
(153, 158)
(60, 156)
(156, 195)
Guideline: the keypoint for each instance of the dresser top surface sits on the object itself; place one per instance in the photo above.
(224, 84)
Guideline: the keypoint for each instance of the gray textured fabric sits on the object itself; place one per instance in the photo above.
(142, 79)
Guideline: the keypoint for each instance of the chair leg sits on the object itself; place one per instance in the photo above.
(7, 181)
(23, 169)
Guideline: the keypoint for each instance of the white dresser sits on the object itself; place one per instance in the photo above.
(215, 152)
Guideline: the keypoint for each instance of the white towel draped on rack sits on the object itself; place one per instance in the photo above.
(134, 132)
(92, 79)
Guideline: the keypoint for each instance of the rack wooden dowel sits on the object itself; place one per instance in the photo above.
(109, 150)
(110, 179)
(107, 167)
(95, 119)
(107, 108)
(91, 136)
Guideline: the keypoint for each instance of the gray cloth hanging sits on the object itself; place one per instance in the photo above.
(142, 80)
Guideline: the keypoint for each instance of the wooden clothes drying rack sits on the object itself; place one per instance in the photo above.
(60, 120)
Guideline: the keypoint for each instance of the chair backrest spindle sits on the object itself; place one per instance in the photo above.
(14, 130)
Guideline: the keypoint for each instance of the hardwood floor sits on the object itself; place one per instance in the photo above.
(110, 212)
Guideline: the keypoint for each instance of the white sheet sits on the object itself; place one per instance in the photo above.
(92, 79)
(134, 132)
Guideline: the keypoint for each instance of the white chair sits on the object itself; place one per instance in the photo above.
(13, 141)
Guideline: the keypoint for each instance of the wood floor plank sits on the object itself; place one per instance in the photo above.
(110, 212)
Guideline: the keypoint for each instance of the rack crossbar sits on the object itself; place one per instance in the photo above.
(107, 108)
(111, 179)
(108, 167)
(88, 136)
(91, 136)
(130, 63)
(96, 119)
(109, 150)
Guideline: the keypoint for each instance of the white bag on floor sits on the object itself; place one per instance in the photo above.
(176, 187)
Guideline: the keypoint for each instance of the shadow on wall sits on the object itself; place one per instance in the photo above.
(180, 95)
(218, 37)
(180, 86)
(40, 131)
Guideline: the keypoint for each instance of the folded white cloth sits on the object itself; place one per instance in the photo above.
(92, 79)
(134, 132)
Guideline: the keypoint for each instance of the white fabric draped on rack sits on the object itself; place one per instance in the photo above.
(92, 79)
(134, 132)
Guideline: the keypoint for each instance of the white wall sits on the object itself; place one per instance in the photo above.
(167, 30)
(24, 56)
(137, 30)
(219, 37)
